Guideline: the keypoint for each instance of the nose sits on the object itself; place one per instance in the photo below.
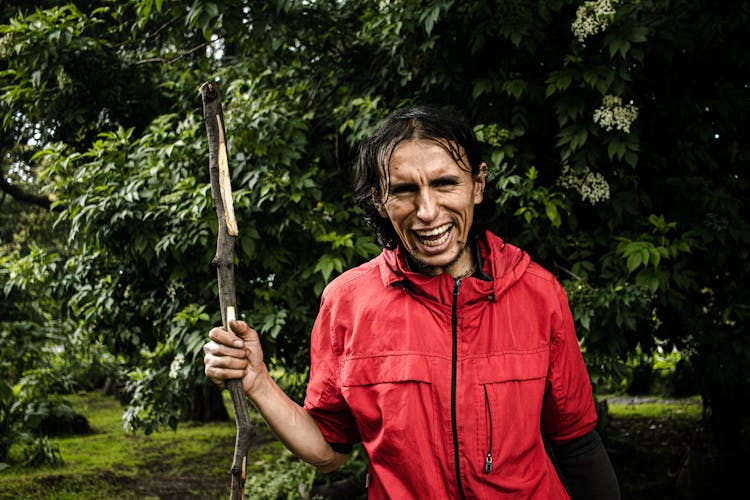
(427, 206)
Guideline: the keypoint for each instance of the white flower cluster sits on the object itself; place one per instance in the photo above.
(593, 17)
(6, 46)
(612, 114)
(174, 368)
(63, 79)
(173, 287)
(591, 186)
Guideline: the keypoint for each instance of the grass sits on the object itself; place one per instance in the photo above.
(656, 408)
(110, 463)
(647, 441)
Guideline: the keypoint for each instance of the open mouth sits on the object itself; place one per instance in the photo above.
(435, 237)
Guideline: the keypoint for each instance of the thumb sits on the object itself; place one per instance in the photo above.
(243, 331)
(251, 341)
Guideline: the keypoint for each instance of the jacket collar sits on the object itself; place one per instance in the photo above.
(502, 265)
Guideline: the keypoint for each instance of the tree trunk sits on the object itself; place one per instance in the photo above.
(206, 404)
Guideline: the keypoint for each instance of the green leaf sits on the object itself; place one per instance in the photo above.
(558, 81)
(325, 266)
(481, 86)
(515, 88)
(645, 255)
(553, 213)
(655, 255)
(616, 148)
(618, 45)
(649, 279)
(638, 34)
(430, 18)
(634, 261)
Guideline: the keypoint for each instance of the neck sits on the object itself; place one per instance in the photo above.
(467, 271)
(462, 267)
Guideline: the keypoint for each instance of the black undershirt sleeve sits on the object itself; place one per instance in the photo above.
(344, 448)
(585, 468)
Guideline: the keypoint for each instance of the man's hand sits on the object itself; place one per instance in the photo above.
(229, 357)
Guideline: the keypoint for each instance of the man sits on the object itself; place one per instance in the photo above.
(451, 355)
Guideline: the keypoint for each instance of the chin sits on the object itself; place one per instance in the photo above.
(441, 261)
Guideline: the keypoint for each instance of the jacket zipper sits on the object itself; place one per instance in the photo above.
(488, 415)
(454, 366)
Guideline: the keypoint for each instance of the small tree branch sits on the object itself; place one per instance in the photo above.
(573, 275)
(221, 192)
(19, 194)
(173, 59)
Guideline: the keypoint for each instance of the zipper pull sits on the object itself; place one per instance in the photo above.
(488, 463)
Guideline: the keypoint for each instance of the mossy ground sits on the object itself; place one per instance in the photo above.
(192, 462)
(648, 439)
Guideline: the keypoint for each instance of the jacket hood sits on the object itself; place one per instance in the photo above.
(502, 265)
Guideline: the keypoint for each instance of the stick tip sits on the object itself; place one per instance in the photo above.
(209, 89)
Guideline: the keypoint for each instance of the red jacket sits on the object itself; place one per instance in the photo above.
(451, 385)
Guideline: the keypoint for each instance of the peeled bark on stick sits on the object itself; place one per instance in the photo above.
(221, 192)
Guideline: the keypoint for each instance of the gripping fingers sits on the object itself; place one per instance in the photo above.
(229, 353)
(223, 356)
(221, 336)
(223, 363)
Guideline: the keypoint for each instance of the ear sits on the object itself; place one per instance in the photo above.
(480, 181)
(377, 202)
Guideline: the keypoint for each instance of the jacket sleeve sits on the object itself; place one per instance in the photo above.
(585, 469)
(568, 411)
(324, 401)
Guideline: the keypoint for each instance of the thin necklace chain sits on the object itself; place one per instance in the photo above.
(468, 273)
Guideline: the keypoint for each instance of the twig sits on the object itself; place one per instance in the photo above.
(173, 59)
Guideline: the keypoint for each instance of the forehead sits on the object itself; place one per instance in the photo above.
(421, 157)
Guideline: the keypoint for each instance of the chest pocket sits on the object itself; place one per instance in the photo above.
(392, 400)
(510, 394)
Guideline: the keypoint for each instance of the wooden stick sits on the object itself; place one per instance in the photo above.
(221, 193)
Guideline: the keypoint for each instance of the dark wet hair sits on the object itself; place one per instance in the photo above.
(443, 126)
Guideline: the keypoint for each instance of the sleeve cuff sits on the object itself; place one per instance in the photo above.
(344, 448)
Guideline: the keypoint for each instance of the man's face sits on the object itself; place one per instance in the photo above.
(430, 202)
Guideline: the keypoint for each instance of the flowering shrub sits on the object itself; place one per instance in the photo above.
(593, 17)
(613, 115)
(591, 186)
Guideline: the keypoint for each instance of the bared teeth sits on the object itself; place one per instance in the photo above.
(434, 237)
(433, 232)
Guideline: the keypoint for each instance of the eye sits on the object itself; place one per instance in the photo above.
(403, 189)
(445, 182)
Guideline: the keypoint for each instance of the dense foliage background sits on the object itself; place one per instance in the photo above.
(614, 130)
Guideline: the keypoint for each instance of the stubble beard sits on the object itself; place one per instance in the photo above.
(430, 269)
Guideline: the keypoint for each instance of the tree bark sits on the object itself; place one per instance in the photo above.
(206, 404)
(221, 192)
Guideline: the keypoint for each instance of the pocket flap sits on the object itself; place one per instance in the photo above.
(384, 369)
(514, 365)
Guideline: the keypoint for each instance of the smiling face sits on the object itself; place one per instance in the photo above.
(429, 199)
